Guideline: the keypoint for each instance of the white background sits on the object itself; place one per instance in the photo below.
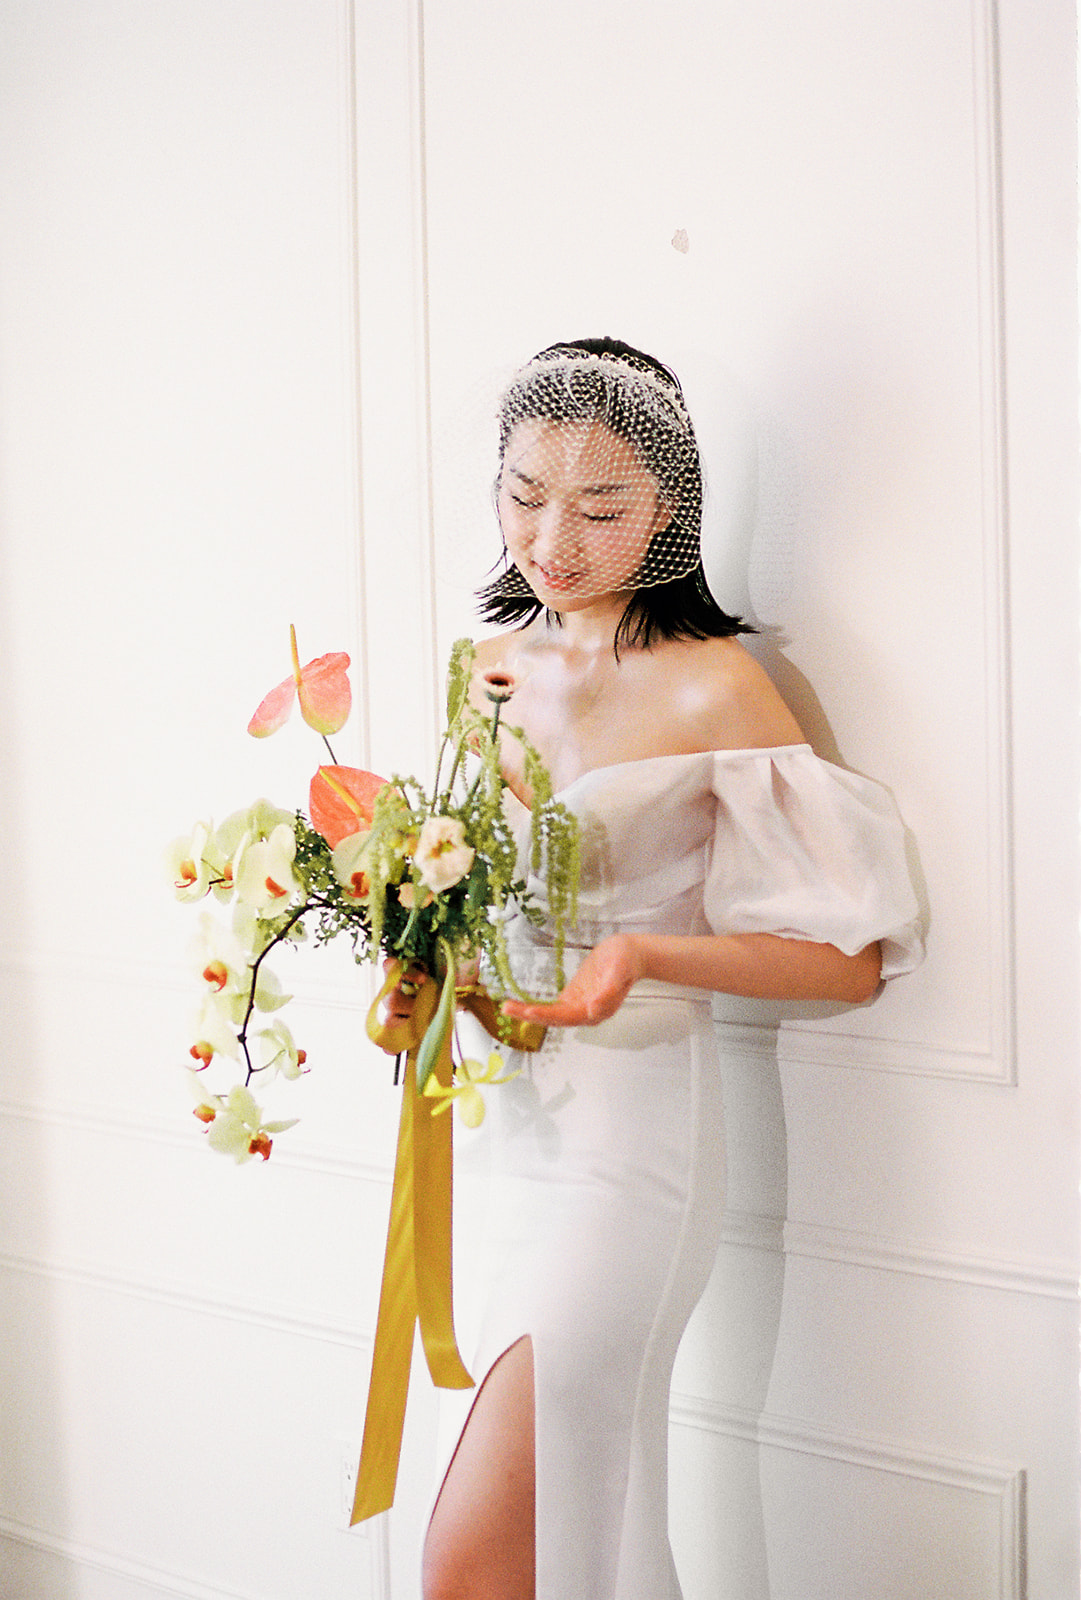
(260, 267)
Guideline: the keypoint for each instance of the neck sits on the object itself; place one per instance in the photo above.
(592, 628)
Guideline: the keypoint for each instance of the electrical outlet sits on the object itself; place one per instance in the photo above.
(348, 1457)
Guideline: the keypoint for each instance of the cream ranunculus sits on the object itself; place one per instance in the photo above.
(442, 857)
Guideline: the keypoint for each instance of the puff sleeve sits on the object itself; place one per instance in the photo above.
(807, 850)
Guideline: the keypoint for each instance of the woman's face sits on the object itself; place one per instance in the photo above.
(577, 509)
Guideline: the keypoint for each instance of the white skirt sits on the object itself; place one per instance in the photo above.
(587, 1216)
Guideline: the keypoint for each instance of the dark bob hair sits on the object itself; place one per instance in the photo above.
(682, 608)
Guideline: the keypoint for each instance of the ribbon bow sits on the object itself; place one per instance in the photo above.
(416, 1283)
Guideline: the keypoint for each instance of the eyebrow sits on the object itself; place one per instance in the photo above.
(595, 488)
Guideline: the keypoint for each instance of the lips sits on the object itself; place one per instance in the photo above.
(555, 579)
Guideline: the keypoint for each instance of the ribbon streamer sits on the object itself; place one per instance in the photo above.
(417, 1263)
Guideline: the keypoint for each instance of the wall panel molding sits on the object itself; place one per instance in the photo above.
(127, 1569)
(1057, 1280)
(1002, 1484)
(324, 1161)
(182, 1297)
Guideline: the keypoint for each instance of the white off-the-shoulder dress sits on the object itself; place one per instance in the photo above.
(590, 1201)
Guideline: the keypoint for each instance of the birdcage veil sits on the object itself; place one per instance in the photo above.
(599, 485)
(571, 420)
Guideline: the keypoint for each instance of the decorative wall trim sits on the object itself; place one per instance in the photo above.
(805, 1044)
(324, 1161)
(1004, 1485)
(1057, 1280)
(174, 1585)
(183, 1298)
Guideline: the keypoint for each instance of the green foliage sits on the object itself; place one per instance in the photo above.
(467, 918)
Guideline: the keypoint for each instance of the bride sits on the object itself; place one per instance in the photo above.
(719, 853)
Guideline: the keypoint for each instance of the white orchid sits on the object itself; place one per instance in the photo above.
(235, 1125)
(263, 869)
(351, 865)
(279, 1052)
(187, 865)
(225, 961)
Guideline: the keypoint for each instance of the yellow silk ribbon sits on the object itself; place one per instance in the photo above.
(417, 1263)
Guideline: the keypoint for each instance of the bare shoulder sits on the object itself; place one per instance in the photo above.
(725, 698)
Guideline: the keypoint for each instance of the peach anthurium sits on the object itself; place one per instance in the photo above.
(341, 801)
(321, 687)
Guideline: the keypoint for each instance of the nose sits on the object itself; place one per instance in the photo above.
(556, 534)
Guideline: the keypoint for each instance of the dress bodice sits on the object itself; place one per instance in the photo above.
(742, 841)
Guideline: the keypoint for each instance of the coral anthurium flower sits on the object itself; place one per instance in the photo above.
(321, 687)
(341, 800)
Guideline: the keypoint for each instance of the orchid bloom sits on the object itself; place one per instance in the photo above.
(256, 821)
(187, 864)
(321, 687)
(442, 856)
(280, 1052)
(341, 801)
(235, 1124)
(216, 1028)
(350, 862)
(222, 961)
(263, 870)
(469, 1075)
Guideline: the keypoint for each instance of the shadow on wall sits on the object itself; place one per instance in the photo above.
(33, 1497)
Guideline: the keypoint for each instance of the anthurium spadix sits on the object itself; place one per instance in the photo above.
(321, 687)
(341, 801)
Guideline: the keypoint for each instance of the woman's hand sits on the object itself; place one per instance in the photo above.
(399, 1003)
(763, 966)
(596, 991)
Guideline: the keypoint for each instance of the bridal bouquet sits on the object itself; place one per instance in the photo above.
(424, 875)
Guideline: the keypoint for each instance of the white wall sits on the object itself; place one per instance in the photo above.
(257, 263)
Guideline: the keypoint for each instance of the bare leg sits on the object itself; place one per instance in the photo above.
(481, 1540)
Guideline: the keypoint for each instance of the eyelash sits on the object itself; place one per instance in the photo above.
(536, 505)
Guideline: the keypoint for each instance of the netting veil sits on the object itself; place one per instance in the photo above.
(599, 486)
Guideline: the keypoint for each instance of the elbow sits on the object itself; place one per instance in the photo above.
(862, 976)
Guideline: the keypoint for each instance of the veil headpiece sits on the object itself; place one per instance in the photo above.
(550, 442)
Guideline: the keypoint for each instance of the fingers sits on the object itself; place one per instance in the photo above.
(398, 1005)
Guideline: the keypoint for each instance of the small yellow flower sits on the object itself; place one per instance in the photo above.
(469, 1075)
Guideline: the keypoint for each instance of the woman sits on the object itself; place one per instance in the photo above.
(719, 854)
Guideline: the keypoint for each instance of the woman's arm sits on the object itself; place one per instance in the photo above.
(762, 966)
